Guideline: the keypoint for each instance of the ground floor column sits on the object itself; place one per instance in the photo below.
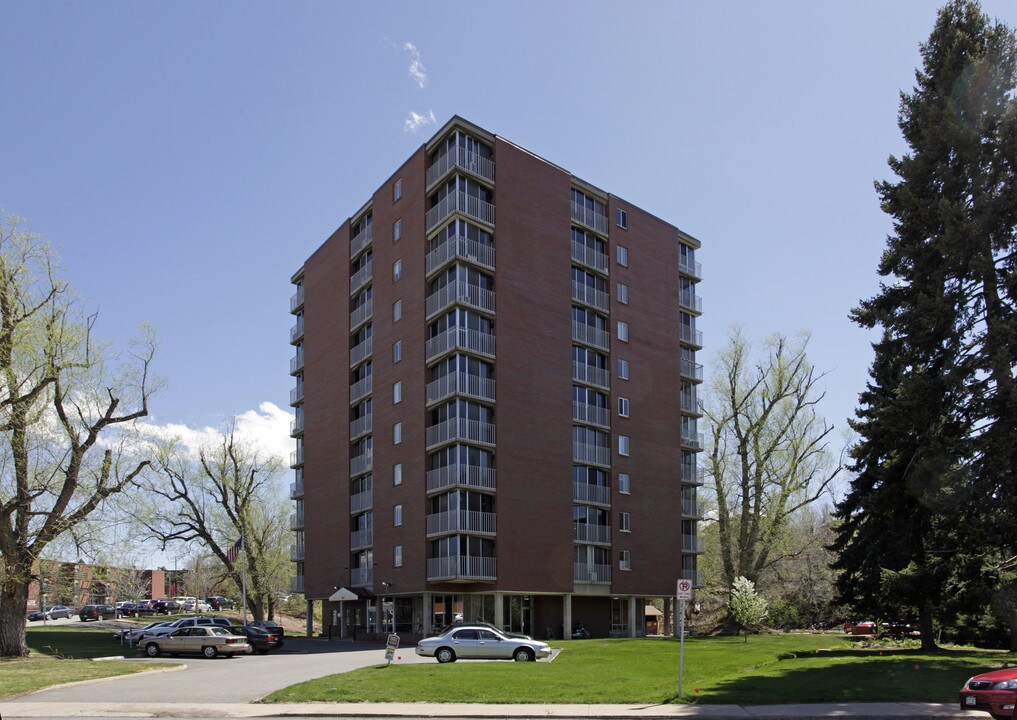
(499, 611)
(428, 614)
(566, 629)
(634, 616)
(309, 624)
(668, 622)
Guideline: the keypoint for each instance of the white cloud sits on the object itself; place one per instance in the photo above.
(417, 71)
(414, 122)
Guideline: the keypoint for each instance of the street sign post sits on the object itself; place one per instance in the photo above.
(683, 593)
(391, 646)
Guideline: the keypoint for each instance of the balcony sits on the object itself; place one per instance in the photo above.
(297, 584)
(361, 577)
(589, 257)
(589, 218)
(460, 429)
(691, 370)
(297, 426)
(361, 464)
(587, 493)
(361, 277)
(460, 383)
(297, 331)
(468, 476)
(297, 299)
(361, 240)
(698, 577)
(361, 426)
(693, 269)
(690, 404)
(460, 248)
(591, 414)
(297, 457)
(692, 441)
(690, 336)
(462, 567)
(690, 475)
(692, 544)
(691, 302)
(296, 553)
(458, 338)
(591, 375)
(297, 521)
(589, 533)
(361, 539)
(297, 363)
(361, 315)
(460, 293)
(691, 509)
(361, 389)
(590, 335)
(463, 159)
(583, 293)
(484, 523)
(361, 501)
(460, 202)
(297, 394)
(297, 489)
(593, 454)
(588, 573)
(361, 352)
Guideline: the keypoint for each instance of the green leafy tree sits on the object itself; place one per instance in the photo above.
(748, 608)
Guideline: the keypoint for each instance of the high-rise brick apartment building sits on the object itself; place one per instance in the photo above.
(496, 401)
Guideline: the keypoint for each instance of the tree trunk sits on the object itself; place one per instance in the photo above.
(925, 626)
(13, 602)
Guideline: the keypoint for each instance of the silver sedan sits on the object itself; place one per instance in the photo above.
(480, 643)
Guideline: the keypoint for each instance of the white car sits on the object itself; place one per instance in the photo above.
(133, 635)
(209, 640)
(480, 643)
(169, 627)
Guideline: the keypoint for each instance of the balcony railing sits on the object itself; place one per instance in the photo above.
(297, 331)
(690, 475)
(462, 567)
(361, 240)
(296, 426)
(361, 352)
(589, 257)
(591, 414)
(460, 202)
(361, 501)
(362, 314)
(360, 539)
(361, 464)
(698, 577)
(690, 404)
(296, 521)
(297, 363)
(361, 277)
(296, 553)
(692, 544)
(591, 375)
(361, 426)
(690, 336)
(361, 577)
(690, 509)
(471, 476)
(587, 493)
(587, 532)
(693, 441)
(691, 370)
(587, 573)
(694, 269)
(460, 293)
(460, 248)
(361, 388)
(297, 299)
(590, 218)
(691, 301)
(584, 453)
(583, 293)
(297, 394)
(459, 339)
(460, 429)
(460, 383)
(297, 489)
(460, 157)
(581, 332)
(297, 457)
(297, 584)
(462, 521)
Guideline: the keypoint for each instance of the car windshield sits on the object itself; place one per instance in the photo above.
(216, 630)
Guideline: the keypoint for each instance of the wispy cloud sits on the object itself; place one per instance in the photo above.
(416, 121)
(417, 71)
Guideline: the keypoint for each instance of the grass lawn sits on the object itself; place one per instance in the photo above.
(60, 654)
(768, 669)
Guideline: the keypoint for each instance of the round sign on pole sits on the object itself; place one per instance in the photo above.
(684, 590)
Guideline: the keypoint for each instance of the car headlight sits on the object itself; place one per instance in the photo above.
(1006, 685)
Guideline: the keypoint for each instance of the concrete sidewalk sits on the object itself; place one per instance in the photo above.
(854, 711)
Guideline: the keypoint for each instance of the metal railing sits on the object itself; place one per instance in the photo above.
(297, 362)
(588, 573)
(691, 370)
(460, 248)
(690, 335)
(361, 240)
(361, 501)
(296, 426)
(361, 277)
(461, 293)
(591, 414)
(297, 489)
(296, 521)
(690, 508)
(297, 299)
(589, 257)
(455, 429)
(693, 441)
(297, 331)
(460, 202)
(473, 476)
(460, 157)
(590, 335)
(590, 218)
(585, 453)
(462, 567)
(361, 388)
(361, 426)
(296, 553)
(297, 457)
(698, 577)
(361, 577)
(458, 338)
(692, 544)
(690, 301)
(362, 314)
(361, 352)
(583, 293)
(471, 521)
(591, 374)
(297, 394)
(690, 475)
(587, 493)
(694, 269)
(360, 539)
(460, 383)
(587, 532)
(297, 584)
(361, 464)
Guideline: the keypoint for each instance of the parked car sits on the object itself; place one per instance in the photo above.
(133, 635)
(169, 627)
(193, 605)
(261, 640)
(98, 612)
(218, 602)
(165, 606)
(489, 626)
(267, 625)
(52, 612)
(480, 642)
(144, 607)
(208, 640)
(128, 608)
(993, 692)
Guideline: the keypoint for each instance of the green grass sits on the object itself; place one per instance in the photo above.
(60, 654)
(769, 669)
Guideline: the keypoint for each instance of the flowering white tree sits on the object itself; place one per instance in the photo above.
(748, 608)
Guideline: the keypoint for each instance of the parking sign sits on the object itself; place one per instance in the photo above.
(684, 590)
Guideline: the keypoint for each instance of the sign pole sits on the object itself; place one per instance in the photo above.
(684, 592)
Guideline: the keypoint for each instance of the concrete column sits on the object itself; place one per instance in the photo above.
(635, 617)
(428, 613)
(668, 628)
(567, 615)
(342, 620)
(499, 611)
(309, 623)
(379, 617)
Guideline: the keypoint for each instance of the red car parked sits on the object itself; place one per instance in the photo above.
(993, 692)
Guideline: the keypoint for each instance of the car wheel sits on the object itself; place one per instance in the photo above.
(523, 655)
(445, 655)
(152, 650)
(249, 650)
(99, 618)
(209, 651)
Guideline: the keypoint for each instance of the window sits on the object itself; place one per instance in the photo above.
(624, 560)
(397, 556)
(624, 484)
(397, 515)
(623, 293)
(397, 190)
(397, 269)
(397, 474)
(397, 433)
(397, 230)
(624, 522)
(623, 369)
(623, 256)
(622, 218)
(397, 393)
(623, 331)
(397, 311)
(623, 445)
(623, 407)
(397, 351)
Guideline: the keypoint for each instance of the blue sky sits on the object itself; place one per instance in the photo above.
(187, 157)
